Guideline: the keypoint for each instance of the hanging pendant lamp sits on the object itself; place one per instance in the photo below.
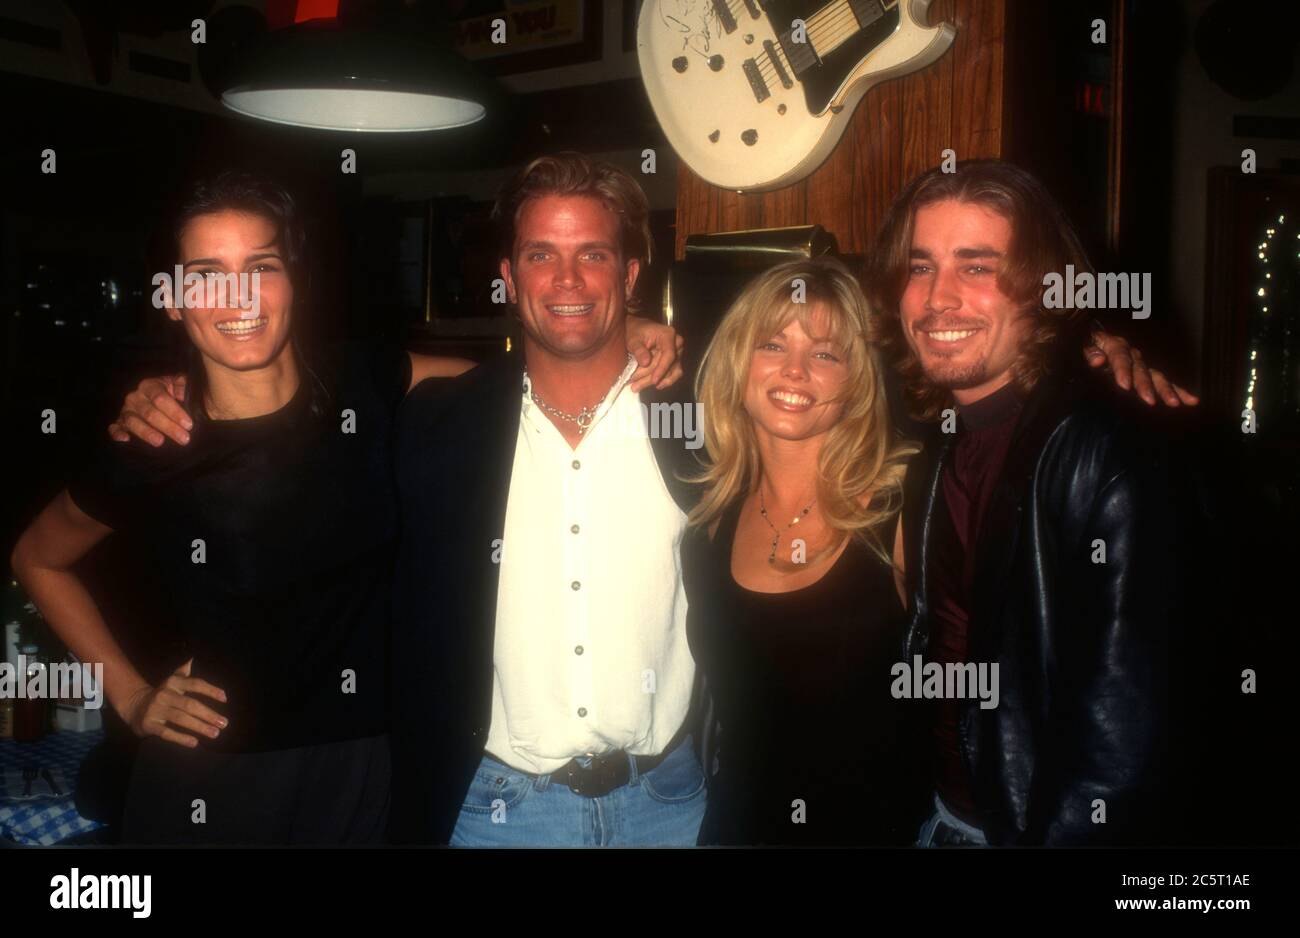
(328, 75)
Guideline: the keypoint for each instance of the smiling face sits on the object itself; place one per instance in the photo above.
(232, 242)
(568, 275)
(966, 332)
(795, 382)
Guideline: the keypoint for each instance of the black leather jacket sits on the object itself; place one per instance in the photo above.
(1081, 646)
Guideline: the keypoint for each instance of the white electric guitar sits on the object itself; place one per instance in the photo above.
(755, 95)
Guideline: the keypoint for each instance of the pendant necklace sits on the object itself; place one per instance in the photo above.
(776, 534)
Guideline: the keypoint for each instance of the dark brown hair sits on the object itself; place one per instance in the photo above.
(1042, 241)
(246, 191)
(253, 192)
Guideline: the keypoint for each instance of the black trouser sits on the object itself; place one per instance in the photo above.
(335, 793)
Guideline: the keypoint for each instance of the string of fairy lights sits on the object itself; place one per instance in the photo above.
(1262, 294)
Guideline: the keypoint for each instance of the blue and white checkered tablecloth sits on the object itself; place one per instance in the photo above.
(45, 821)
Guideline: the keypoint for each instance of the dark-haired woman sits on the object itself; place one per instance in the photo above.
(273, 532)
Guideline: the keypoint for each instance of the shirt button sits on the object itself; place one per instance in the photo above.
(576, 464)
(574, 529)
(575, 586)
(577, 650)
(582, 711)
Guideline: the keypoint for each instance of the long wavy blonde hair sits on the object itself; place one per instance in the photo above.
(861, 454)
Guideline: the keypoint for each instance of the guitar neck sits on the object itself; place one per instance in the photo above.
(827, 29)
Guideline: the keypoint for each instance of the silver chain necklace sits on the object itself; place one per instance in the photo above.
(776, 534)
(582, 418)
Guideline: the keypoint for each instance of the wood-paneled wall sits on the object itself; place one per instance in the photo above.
(900, 129)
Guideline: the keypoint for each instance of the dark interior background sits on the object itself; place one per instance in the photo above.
(399, 246)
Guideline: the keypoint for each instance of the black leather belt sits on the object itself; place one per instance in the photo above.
(607, 771)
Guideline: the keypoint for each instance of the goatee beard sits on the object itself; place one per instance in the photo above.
(956, 379)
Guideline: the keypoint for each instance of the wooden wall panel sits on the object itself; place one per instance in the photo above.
(899, 130)
(977, 125)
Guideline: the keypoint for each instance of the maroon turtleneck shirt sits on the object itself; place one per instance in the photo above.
(967, 483)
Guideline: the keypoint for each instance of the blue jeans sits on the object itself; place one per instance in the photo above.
(506, 808)
(945, 829)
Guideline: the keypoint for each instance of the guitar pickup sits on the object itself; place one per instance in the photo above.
(800, 55)
(756, 82)
(866, 12)
(723, 12)
(770, 47)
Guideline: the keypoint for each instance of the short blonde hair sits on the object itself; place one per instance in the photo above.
(572, 173)
(861, 454)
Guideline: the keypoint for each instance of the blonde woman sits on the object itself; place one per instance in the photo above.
(795, 616)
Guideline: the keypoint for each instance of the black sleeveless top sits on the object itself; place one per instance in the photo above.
(813, 749)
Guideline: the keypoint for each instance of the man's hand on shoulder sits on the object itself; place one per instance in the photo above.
(153, 412)
(1126, 367)
(657, 349)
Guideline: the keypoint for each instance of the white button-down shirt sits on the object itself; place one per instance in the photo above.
(590, 652)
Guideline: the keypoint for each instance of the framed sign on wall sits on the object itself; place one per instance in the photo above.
(538, 34)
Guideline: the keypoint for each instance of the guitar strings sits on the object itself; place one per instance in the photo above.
(827, 29)
(737, 7)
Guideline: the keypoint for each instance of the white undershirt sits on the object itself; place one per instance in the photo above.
(604, 666)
